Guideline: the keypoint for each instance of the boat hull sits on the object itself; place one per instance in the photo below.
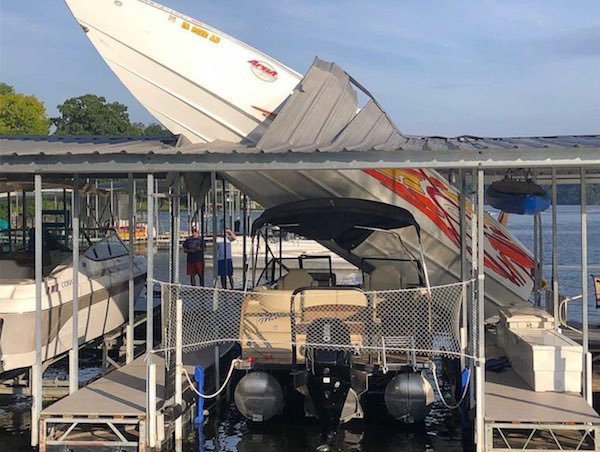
(435, 205)
(194, 79)
(103, 307)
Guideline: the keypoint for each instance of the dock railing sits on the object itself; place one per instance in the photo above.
(209, 317)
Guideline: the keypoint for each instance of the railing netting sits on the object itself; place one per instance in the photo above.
(286, 324)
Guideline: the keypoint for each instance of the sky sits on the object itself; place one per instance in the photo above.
(446, 68)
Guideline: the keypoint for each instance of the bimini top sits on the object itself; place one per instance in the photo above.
(348, 222)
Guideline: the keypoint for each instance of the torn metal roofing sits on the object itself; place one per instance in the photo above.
(319, 127)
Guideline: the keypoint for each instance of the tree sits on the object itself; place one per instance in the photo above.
(21, 114)
(156, 130)
(93, 115)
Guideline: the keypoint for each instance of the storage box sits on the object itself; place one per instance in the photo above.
(545, 360)
(519, 319)
(526, 317)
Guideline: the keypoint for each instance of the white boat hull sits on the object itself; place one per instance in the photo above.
(103, 307)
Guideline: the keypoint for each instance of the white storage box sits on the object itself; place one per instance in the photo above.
(519, 319)
(546, 360)
(526, 317)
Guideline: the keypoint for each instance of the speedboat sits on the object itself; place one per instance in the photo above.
(103, 297)
(215, 87)
(343, 347)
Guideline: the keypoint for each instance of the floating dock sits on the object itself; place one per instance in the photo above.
(112, 411)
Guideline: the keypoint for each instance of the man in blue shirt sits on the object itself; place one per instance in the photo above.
(194, 248)
(225, 258)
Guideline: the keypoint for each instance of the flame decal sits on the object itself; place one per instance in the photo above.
(440, 203)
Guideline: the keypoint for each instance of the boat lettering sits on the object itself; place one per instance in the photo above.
(263, 71)
(200, 32)
(267, 318)
(67, 283)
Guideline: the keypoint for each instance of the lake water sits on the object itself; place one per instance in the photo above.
(226, 430)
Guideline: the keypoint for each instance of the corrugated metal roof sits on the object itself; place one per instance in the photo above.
(320, 107)
(321, 116)
(65, 145)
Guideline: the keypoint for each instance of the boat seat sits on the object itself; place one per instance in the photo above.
(384, 277)
(294, 279)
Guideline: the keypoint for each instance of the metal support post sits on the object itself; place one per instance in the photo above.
(587, 374)
(213, 183)
(464, 270)
(536, 259)
(150, 269)
(177, 228)
(66, 226)
(178, 363)
(157, 211)
(36, 370)
(9, 215)
(112, 203)
(555, 300)
(24, 219)
(175, 219)
(473, 294)
(480, 369)
(244, 240)
(74, 352)
(151, 401)
(130, 352)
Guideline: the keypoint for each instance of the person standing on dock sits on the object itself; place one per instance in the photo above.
(225, 258)
(194, 248)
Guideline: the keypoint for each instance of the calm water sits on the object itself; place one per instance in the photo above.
(226, 430)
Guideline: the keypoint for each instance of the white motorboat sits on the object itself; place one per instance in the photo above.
(103, 298)
(205, 85)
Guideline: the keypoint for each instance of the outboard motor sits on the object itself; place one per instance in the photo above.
(329, 372)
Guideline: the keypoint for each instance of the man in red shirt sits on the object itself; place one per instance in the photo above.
(194, 248)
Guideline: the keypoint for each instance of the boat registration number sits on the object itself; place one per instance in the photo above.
(200, 32)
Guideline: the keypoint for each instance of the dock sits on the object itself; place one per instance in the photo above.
(111, 412)
(517, 417)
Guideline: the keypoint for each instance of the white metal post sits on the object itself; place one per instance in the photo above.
(587, 374)
(480, 369)
(112, 203)
(555, 300)
(177, 228)
(150, 269)
(131, 283)
(176, 199)
(213, 183)
(474, 243)
(151, 400)
(36, 370)
(464, 271)
(74, 352)
(178, 363)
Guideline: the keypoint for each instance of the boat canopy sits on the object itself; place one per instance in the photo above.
(346, 221)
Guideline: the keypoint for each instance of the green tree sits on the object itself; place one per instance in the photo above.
(156, 130)
(21, 114)
(93, 115)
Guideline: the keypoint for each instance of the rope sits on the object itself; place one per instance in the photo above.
(437, 386)
(223, 386)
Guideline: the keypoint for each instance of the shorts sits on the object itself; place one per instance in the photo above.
(195, 268)
(225, 267)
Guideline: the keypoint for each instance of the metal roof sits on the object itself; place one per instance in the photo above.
(319, 127)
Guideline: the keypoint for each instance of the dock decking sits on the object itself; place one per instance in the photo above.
(111, 411)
